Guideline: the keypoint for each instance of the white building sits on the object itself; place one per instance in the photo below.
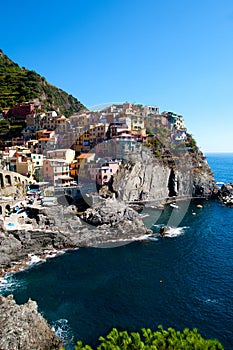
(66, 154)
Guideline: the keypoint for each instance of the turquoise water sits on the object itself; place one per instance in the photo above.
(183, 281)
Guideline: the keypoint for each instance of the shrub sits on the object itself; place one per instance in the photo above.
(161, 339)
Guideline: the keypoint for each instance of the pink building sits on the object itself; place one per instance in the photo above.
(56, 171)
(106, 171)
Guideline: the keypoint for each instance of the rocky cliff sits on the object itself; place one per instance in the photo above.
(145, 177)
(24, 328)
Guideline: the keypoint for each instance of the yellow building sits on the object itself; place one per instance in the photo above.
(24, 166)
(137, 123)
(83, 162)
(82, 144)
(97, 133)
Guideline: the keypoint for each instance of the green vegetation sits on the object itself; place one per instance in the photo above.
(191, 144)
(22, 85)
(4, 127)
(8, 129)
(162, 339)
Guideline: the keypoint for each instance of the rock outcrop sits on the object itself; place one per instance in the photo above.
(24, 328)
(225, 194)
(59, 228)
(111, 212)
(149, 179)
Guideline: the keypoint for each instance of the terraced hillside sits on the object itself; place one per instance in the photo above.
(20, 85)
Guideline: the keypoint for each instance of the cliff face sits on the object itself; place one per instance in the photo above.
(24, 328)
(147, 178)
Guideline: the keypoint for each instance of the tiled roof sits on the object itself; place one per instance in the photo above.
(85, 155)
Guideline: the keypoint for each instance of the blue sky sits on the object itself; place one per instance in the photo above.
(177, 55)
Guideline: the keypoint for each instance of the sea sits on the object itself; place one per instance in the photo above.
(183, 280)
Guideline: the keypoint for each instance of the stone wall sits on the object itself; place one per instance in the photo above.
(11, 178)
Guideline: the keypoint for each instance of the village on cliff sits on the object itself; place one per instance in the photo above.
(43, 173)
(59, 151)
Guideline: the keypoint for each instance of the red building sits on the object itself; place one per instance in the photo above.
(21, 110)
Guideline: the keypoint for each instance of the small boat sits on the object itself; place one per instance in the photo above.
(173, 205)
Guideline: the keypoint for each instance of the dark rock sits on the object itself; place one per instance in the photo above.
(108, 220)
(225, 194)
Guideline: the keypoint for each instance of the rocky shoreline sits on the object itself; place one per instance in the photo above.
(58, 228)
(23, 327)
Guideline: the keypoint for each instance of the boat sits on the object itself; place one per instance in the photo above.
(173, 205)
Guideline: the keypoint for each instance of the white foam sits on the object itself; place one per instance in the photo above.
(8, 284)
(63, 330)
(141, 238)
(34, 259)
(175, 231)
(210, 301)
(207, 300)
(153, 238)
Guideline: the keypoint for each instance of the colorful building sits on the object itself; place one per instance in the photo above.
(105, 173)
(56, 172)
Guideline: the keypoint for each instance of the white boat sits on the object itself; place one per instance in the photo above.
(173, 205)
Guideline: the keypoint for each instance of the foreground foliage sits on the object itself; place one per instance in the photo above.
(162, 339)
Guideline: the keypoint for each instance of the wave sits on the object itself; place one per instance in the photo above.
(9, 284)
(141, 238)
(207, 300)
(63, 330)
(171, 232)
(154, 238)
(176, 231)
(34, 259)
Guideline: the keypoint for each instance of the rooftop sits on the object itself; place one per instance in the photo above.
(86, 155)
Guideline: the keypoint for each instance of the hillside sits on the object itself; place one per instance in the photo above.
(19, 85)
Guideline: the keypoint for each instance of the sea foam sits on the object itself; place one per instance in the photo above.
(63, 330)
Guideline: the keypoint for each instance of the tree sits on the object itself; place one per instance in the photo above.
(161, 339)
